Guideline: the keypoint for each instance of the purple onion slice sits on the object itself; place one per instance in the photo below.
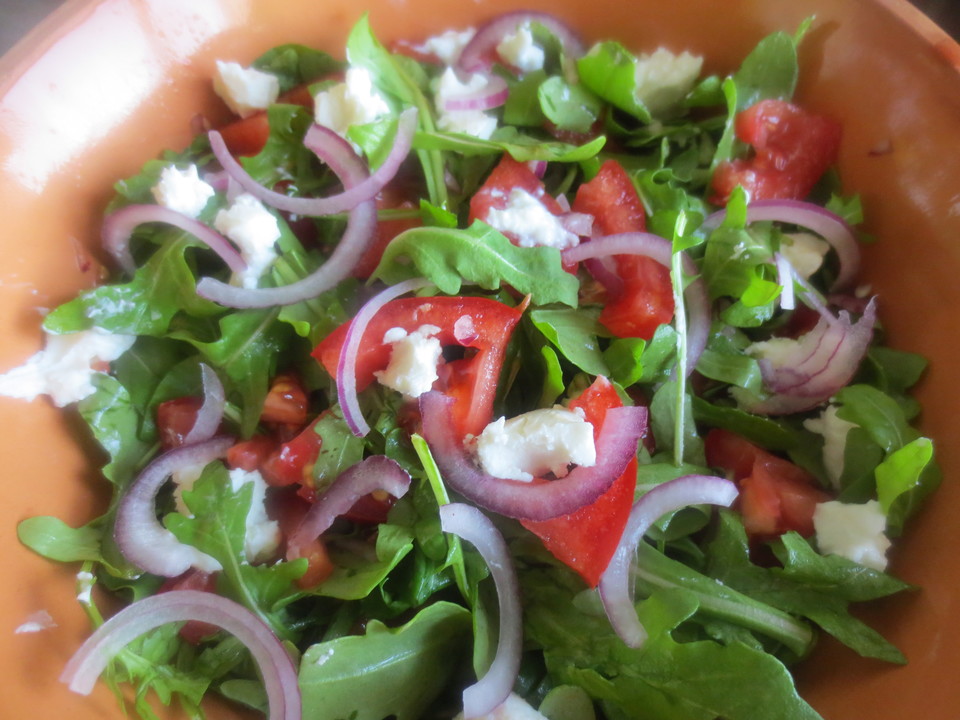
(489, 35)
(210, 414)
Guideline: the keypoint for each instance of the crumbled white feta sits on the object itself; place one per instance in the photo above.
(834, 430)
(262, 534)
(530, 223)
(64, 369)
(85, 582)
(519, 50)
(183, 481)
(513, 708)
(664, 79)
(36, 622)
(255, 231)
(469, 122)
(352, 102)
(852, 531)
(182, 190)
(413, 360)
(805, 252)
(245, 90)
(447, 46)
(536, 443)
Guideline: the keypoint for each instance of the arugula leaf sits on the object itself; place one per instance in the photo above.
(295, 65)
(448, 257)
(574, 332)
(522, 148)
(568, 106)
(355, 577)
(610, 71)
(52, 538)
(114, 422)
(770, 71)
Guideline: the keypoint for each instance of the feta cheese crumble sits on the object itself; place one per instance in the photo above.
(352, 102)
(536, 443)
(834, 431)
(528, 221)
(262, 534)
(852, 531)
(413, 360)
(447, 46)
(519, 50)
(255, 231)
(182, 190)
(805, 252)
(245, 90)
(85, 582)
(64, 369)
(664, 79)
(469, 122)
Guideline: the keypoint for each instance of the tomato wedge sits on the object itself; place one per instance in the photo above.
(585, 540)
(479, 325)
(509, 174)
(248, 135)
(776, 496)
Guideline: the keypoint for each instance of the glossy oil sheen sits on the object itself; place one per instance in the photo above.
(103, 86)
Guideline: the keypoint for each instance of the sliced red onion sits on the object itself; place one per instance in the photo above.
(785, 275)
(465, 521)
(119, 226)
(616, 585)
(562, 202)
(492, 95)
(140, 537)
(361, 191)
(210, 414)
(661, 250)
(475, 55)
(604, 271)
(356, 239)
(276, 668)
(377, 472)
(347, 363)
(539, 168)
(578, 223)
(830, 226)
(805, 372)
(616, 446)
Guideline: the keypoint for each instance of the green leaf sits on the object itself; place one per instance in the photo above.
(574, 332)
(54, 539)
(609, 70)
(296, 64)
(569, 107)
(902, 470)
(522, 148)
(385, 672)
(449, 257)
(339, 450)
(115, 422)
(356, 577)
(770, 71)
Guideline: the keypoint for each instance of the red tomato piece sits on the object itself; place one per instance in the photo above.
(194, 631)
(175, 420)
(250, 454)
(387, 230)
(792, 150)
(371, 509)
(293, 461)
(495, 192)
(286, 402)
(289, 509)
(776, 496)
(248, 135)
(586, 539)
(471, 380)
(613, 201)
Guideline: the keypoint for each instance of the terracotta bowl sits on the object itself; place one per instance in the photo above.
(104, 85)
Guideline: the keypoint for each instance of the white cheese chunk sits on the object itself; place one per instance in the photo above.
(664, 79)
(352, 102)
(255, 231)
(519, 50)
(529, 221)
(245, 90)
(855, 532)
(262, 534)
(447, 46)
(85, 581)
(64, 369)
(469, 122)
(834, 431)
(182, 190)
(413, 360)
(805, 252)
(536, 443)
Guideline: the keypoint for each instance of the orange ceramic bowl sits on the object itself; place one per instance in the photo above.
(103, 85)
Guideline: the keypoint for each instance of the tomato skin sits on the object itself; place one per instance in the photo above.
(586, 539)
(495, 191)
(286, 402)
(293, 461)
(175, 420)
(776, 496)
(613, 201)
(471, 380)
(247, 136)
(793, 148)
(250, 454)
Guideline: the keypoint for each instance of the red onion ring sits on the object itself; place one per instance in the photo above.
(490, 34)
(377, 472)
(616, 588)
(276, 668)
(347, 363)
(539, 168)
(211, 412)
(119, 226)
(604, 272)
(661, 250)
(577, 223)
(465, 521)
(356, 239)
(361, 191)
(492, 95)
(818, 365)
(141, 538)
(616, 446)
(831, 227)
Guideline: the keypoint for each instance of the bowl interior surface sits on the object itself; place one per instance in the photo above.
(104, 85)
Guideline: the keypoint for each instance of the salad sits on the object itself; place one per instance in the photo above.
(489, 373)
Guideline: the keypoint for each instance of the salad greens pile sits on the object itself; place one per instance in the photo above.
(408, 616)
